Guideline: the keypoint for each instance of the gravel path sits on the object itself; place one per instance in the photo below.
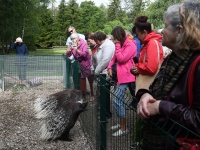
(19, 128)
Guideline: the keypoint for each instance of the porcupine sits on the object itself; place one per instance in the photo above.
(58, 113)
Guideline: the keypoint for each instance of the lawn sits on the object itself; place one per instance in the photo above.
(53, 51)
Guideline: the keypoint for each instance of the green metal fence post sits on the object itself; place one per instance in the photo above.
(103, 111)
(108, 112)
(75, 74)
(68, 68)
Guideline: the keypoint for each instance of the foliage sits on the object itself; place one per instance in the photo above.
(45, 38)
(156, 10)
(19, 19)
(60, 25)
(43, 26)
(115, 11)
(108, 27)
(94, 18)
(135, 8)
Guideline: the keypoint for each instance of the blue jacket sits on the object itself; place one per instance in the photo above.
(20, 49)
(138, 46)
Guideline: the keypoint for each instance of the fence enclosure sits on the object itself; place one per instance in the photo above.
(56, 72)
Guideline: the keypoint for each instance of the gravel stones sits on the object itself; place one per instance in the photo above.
(19, 127)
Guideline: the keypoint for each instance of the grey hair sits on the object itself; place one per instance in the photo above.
(71, 27)
(110, 36)
(172, 14)
(74, 35)
(186, 15)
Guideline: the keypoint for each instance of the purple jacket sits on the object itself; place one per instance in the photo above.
(84, 58)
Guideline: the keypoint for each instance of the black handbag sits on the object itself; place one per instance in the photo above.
(114, 72)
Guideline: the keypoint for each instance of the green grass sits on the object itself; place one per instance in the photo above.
(54, 51)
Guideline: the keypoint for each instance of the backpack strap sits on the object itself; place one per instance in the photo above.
(191, 79)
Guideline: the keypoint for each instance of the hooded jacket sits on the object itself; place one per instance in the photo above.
(124, 59)
(84, 57)
(149, 51)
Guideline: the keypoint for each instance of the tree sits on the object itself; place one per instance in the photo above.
(19, 18)
(115, 11)
(156, 10)
(60, 25)
(45, 38)
(108, 27)
(135, 7)
(93, 17)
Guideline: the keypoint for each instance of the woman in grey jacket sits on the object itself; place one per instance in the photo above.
(104, 53)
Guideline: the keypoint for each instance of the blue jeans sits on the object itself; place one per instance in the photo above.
(21, 72)
(118, 102)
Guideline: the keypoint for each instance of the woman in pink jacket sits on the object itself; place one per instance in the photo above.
(125, 50)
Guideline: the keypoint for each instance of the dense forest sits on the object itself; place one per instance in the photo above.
(41, 24)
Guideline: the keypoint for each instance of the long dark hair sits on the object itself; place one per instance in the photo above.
(119, 34)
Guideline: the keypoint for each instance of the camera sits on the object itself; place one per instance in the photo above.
(74, 44)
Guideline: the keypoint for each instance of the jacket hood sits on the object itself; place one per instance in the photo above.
(128, 41)
(152, 35)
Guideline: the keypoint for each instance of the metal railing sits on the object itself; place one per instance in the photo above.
(32, 72)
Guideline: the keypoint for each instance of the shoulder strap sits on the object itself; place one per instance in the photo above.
(158, 52)
(191, 79)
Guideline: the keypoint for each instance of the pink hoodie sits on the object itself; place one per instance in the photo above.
(124, 58)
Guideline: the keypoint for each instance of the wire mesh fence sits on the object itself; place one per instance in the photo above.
(157, 133)
(32, 72)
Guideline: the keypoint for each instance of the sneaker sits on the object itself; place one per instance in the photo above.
(120, 132)
(134, 145)
(117, 126)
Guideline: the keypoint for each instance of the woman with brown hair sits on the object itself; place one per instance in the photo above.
(125, 50)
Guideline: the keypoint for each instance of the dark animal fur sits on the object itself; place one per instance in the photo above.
(58, 113)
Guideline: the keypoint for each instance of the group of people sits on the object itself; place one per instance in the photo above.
(118, 48)
(168, 93)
